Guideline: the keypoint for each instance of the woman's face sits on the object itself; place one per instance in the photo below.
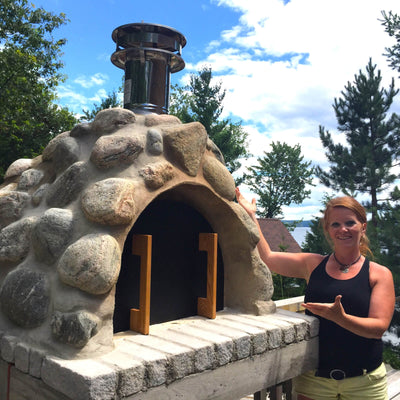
(344, 228)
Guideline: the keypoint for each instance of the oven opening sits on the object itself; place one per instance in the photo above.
(178, 267)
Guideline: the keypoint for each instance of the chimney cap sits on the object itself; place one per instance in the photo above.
(148, 35)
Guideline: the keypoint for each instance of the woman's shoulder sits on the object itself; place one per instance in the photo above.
(378, 268)
(379, 272)
(312, 261)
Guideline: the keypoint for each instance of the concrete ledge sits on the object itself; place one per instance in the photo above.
(192, 358)
(238, 379)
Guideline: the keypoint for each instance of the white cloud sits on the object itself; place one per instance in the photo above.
(335, 36)
(94, 80)
(77, 101)
(67, 92)
(98, 96)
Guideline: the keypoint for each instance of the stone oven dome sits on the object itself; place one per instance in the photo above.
(65, 216)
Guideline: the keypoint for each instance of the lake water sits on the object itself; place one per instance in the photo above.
(299, 234)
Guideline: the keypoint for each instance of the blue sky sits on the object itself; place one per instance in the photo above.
(281, 62)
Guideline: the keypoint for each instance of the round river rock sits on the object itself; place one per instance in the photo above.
(91, 264)
(25, 297)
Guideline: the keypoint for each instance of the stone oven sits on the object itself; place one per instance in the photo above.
(124, 224)
(68, 215)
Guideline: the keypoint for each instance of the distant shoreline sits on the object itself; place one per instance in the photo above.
(305, 224)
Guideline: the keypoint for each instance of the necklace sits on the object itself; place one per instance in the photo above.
(345, 267)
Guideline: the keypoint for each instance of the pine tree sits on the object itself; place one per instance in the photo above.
(365, 164)
(391, 22)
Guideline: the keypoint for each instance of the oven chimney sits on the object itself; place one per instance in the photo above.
(148, 53)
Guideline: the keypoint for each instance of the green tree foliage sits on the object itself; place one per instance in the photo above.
(391, 22)
(365, 164)
(391, 355)
(286, 287)
(388, 234)
(29, 74)
(201, 101)
(109, 102)
(279, 178)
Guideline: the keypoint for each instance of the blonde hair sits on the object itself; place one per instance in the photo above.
(353, 205)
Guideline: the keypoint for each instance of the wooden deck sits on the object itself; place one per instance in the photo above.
(393, 377)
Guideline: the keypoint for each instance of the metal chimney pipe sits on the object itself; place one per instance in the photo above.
(148, 53)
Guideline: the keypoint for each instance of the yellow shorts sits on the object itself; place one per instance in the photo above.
(371, 386)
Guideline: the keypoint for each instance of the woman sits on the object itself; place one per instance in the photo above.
(351, 296)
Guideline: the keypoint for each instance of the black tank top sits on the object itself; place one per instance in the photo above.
(338, 347)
